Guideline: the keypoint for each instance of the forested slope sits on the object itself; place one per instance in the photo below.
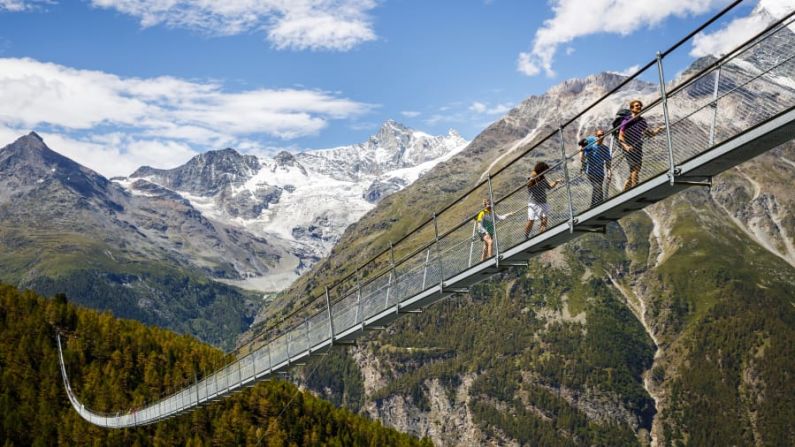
(116, 364)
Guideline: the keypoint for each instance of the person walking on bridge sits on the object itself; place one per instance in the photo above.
(486, 228)
(630, 136)
(537, 206)
(595, 158)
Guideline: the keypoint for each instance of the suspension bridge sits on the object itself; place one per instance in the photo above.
(729, 110)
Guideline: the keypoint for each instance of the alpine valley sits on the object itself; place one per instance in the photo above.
(183, 248)
(675, 327)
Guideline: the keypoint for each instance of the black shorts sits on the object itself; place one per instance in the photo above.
(634, 158)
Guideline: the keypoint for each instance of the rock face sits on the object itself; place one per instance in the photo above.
(380, 189)
(305, 200)
(674, 327)
(64, 227)
(205, 174)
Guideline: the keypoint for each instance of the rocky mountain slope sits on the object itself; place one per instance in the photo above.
(168, 247)
(304, 200)
(65, 228)
(674, 327)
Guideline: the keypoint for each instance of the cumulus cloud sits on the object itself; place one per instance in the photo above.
(740, 30)
(119, 154)
(608, 16)
(158, 115)
(289, 24)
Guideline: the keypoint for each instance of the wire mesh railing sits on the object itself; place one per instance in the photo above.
(682, 118)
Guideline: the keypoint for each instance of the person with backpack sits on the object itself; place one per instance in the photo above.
(537, 206)
(485, 228)
(595, 158)
(630, 137)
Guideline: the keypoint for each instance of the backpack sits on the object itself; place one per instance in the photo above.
(621, 116)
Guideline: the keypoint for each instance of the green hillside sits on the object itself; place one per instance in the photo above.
(675, 326)
(96, 275)
(117, 364)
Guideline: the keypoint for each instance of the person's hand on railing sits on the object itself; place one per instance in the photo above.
(505, 216)
(654, 132)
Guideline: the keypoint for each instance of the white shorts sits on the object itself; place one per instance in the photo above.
(536, 211)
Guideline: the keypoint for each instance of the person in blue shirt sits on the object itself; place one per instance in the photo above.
(595, 158)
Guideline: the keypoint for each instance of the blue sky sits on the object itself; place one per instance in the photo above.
(119, 83)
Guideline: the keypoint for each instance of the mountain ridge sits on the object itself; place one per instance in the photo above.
(306, 199)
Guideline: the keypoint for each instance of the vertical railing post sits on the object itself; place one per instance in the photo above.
(270, 360)
(359, 309)
(239, 373)
(330, 319)
(609, 178)
(714, 105)
(425, 268)
(494, 221)
(438, 252)
(566, 178)
(472, 243)
(196, 383)
(671, 162)
(388, 288)
(289, 339)
(308, 341)
(392, 276)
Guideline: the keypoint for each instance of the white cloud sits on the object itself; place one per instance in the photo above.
(526, 65)
(627, 71)
(410, 113)
(777, 8)
(499, 109)
(474, 115)
(739, 30)
(608, 16)
(22, 5)
(478, 107)
(481, 108)
(33, 93)
(289, 24)
(129, 118)
(118, 154)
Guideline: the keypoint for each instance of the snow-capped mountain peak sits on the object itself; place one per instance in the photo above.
(302, 200)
